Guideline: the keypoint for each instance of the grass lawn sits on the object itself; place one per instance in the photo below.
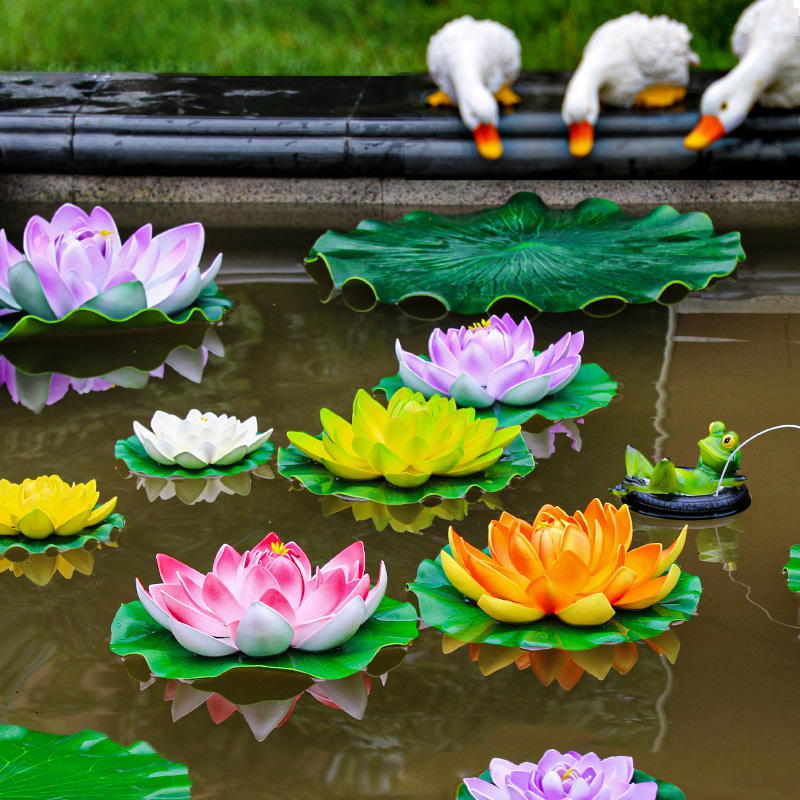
(316, 37)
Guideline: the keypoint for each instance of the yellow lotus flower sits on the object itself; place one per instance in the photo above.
(47, 505)
(407, 442)
(576, 567)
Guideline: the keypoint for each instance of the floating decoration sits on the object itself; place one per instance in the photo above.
(712, 489)
(565, 775)
(792, 568)
(593, 257)
(492, 366)
(566, 667)
(36, 378)
(84, 766)
(263, 609)
(201, 490)
(203, 445)
(533, 587)
(76, 274)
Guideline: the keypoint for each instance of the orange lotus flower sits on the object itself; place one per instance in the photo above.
(577, 567)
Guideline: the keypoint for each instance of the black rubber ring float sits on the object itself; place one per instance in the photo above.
(729, 501)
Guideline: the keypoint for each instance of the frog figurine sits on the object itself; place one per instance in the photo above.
(676, 492)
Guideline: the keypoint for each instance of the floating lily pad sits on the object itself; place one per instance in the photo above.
(590, 389)
(19, 548)
(209, 306)
(666, 791)
(84, 766)
(446, 609)
(132, 452)
(515, 461)
(590, 257)
(792, 568)
(135, 632)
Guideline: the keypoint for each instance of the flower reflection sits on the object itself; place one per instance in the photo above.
(543, 444)
(566, 666)
(41, 568)
(201, 490)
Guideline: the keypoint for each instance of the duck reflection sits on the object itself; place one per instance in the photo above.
(36, 376)
(566, 667)
(201, 490)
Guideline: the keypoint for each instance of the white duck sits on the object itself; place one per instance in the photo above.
(474, 64)
(634, 60)
(765, 40)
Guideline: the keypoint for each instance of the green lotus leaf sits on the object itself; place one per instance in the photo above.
(446, 609)
(792, 568)
(666, 791)
(84, 766)
(135, 632)
(515, 461)
(209, 306)
(19, 548)
(132, 452)
(552, 260)
(590, 389)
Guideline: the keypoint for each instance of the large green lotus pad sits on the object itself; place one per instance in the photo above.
(792, 568)
(445, 608)
(666, 791)
(590, 389)
(132, 452)
(515, 461)
(19, 548)
(552, 260)
(135, 632)
(84, 766)
(210, 305)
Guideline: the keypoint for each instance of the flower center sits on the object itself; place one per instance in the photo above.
(279, 548)
(484, 323)
(566, 774)
(106, 234)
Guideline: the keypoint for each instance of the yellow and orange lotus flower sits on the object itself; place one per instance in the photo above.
(577, 567)
(407, 442)
(38, 508)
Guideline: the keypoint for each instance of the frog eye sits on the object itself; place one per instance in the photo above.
(729, 441)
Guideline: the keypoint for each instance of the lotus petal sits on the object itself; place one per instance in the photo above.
(198, 642)
(119, 302)
(27, 291)
(334, 631)
(263, 632)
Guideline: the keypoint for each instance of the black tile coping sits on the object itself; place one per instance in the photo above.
(353, 126)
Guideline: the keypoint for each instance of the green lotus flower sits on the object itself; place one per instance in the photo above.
(407, 442)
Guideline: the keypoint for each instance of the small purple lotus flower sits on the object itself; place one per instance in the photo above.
(493, 360)
(78, 261)
(567, 776)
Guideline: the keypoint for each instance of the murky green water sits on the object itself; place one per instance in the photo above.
(721, 722)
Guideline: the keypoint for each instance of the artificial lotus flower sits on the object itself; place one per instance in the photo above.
(77, 260)
(577, 567)
(200, 440)
(560, 776)
(407, 442)
(491, 361)
(264, 601)
(41, 507)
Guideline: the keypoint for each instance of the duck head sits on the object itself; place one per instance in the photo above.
(723, 108)
(580, 111)
(481, 115)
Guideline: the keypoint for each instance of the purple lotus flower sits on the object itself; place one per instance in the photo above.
(78, 261)
(493, 360)
(567, 776)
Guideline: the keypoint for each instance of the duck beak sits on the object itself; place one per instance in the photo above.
(708, 130)
(581, 138)
(488, 140)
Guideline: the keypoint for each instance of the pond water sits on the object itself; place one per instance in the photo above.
(721, 722)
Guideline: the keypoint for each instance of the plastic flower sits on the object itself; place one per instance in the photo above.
(492, 360)
(38, 508)
(407, 442)
(558, 776)
(577, 567)
(264, 601)
(199, 440)
(77, 260)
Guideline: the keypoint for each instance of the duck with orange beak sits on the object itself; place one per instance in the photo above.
(634, 60)
(765, 41)
(474, 64)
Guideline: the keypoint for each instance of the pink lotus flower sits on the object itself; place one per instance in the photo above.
(264, 601)
(77, 260)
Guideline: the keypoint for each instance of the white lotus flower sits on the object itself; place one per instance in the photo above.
(200, 440)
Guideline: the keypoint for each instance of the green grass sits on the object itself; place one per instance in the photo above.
(315, 37)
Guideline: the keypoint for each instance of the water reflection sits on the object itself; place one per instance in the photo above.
(38, 376)
(41, 567)
(201, 490)
(543, 444)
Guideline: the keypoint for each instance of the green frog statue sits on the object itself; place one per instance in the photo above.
(665, 490)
